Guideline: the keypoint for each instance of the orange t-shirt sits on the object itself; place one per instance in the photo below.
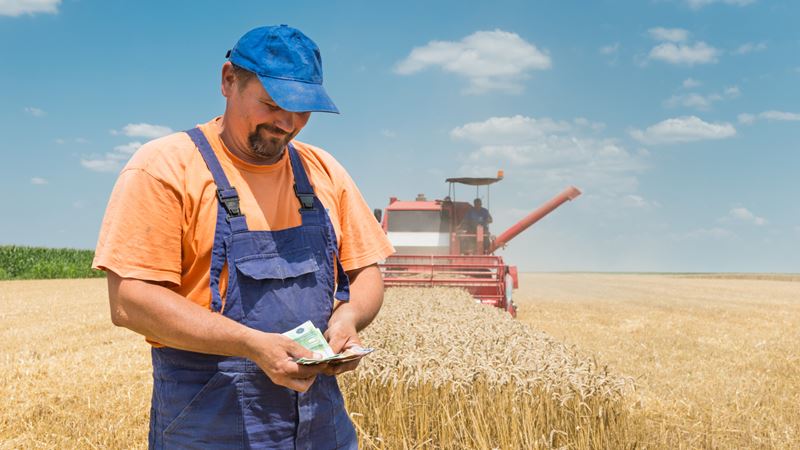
(160, 220)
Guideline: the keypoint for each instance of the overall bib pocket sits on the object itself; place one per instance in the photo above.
(279, 277)
(278, 266)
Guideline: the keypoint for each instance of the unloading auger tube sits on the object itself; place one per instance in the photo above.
(567, 194)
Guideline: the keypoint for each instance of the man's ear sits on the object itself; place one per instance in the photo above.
(228, 79)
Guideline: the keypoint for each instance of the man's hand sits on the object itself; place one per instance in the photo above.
(341, 335)
(275, 355)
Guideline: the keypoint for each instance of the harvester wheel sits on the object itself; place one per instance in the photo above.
(510, 306)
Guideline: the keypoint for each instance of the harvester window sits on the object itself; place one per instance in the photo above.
(417, 221)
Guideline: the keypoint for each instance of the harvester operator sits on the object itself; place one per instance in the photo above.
(477, 215)
(218, 239)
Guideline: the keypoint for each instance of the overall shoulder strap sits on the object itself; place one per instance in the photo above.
(226, 194)
(229, 217)
(302, 187)
(310, 204)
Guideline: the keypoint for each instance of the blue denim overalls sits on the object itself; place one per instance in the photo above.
(276, 281)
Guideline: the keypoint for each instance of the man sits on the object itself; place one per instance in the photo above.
(217, 240)
(477, 215)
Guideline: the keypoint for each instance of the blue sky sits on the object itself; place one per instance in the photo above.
(678, 119)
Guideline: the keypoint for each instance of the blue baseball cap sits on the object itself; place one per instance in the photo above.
(289, 65)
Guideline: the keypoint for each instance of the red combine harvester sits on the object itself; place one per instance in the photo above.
(436, 247)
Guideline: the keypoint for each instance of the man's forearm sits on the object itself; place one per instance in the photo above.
(366, 298)
(176, 322)
(172, 320)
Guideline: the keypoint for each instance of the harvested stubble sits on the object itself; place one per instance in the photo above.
(450, 373)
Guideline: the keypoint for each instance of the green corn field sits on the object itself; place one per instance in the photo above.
(29, 263)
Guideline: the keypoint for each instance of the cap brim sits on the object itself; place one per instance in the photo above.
(297, 96)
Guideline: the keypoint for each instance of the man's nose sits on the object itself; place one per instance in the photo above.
(285, 121)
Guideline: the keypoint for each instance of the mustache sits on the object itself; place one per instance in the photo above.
(272, 129)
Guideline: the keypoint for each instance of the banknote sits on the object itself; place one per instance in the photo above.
(310, 337)
(350, 354)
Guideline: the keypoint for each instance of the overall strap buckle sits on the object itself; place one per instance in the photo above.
(230, 201)
(306, 199)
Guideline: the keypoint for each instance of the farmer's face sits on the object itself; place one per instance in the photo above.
(260, 125)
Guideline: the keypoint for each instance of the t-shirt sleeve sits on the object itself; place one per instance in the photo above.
(363, 241)
(140, 236)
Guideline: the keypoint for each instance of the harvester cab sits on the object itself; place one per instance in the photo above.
(447, 242)
(470, 220)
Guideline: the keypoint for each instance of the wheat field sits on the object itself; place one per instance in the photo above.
(638, 362)
(716, 358)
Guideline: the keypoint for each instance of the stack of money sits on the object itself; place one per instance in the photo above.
(311, 338)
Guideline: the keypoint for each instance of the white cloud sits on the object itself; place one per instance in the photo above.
(637, 201)
(508, 130)
(692, 100)
(780, 115)
(732, 92)
(750, 47)
(35, 112)
(669, 34)
(697, 4)
(106, 164)
(746, 119)
(690, 83)
(546, 155)
(772, 115)
(16, 8)
(38, 180)
(674, 48)
(610, 49)
(611, 52)
(684, 54)
(745, 215)
(490, 60)
(391, 134)
(127, 149)
(701, 102)
(584, 122)
(683, 129)
(79, 140)
(144, 130)
(111, 161)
